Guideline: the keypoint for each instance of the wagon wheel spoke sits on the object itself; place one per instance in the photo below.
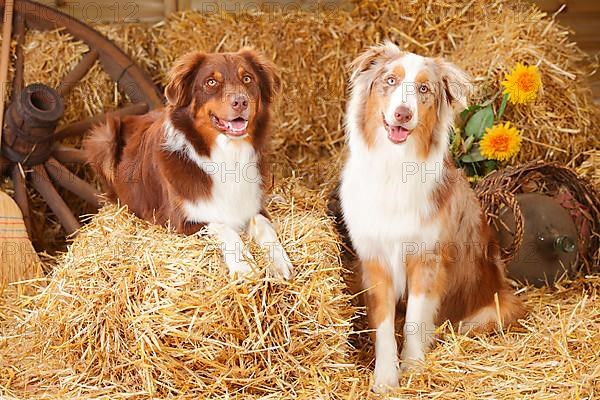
(41, 182)
(21, 198)
(79, 128)
(69, 155)
(4, 165)
(68, 180)
(19, 36)
(34, 137)
(74, 76)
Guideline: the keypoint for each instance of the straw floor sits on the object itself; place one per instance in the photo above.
(312, 50)
(132, 311)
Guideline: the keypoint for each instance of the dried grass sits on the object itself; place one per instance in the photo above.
(590, 167)
(132, 308)
(313, 48)
(487, 38)
(132, 311)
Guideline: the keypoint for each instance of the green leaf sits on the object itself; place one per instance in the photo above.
(468, 144)
(465, 113)
(456, 144)
(478, 123)
(503, 106)
(473, 157)
(489, 166)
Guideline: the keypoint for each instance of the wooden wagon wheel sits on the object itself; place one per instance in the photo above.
(31, 142)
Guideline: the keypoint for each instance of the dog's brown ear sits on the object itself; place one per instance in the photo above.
(181, 79)
(268, 75)
(372, 57)
(456, 83)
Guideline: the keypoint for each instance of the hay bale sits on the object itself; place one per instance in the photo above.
(132, 308)
(313, 49)
(71, 342)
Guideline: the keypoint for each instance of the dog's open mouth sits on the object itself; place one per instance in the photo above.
(236, 127)
(396, 133)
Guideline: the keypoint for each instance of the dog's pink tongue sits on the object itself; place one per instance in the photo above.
(237, 127)
(397, 134)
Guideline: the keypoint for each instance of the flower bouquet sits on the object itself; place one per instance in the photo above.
(482, 141)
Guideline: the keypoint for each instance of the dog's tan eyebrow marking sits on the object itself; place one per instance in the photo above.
(422, 77)
(399, 72)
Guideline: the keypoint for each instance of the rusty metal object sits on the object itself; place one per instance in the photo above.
(550, 240)
(31, 152)
(498, 194)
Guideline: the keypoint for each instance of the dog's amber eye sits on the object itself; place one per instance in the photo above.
(212, 82)
(247, 79)
(423, 89)
(391, 80)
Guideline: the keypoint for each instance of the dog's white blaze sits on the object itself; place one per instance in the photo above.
(386, 356)
(236, 181)
(406, 93)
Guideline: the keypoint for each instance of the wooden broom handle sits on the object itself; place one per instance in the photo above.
(4, 53)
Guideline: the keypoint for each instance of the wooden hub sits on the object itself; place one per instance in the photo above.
(31, 121)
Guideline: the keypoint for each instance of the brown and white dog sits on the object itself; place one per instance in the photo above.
(200, 160)
(413, 220)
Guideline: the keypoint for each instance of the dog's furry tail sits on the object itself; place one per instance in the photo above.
(103, 147)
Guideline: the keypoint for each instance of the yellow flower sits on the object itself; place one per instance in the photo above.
(522, 84)
(500, 142)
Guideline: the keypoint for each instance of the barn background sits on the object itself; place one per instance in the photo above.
(582, 16)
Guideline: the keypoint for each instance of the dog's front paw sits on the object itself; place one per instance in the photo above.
(240, 268)
(282, 266)
(385, 379)
(413, 360)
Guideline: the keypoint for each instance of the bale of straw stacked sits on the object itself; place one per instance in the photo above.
(141, 326)
(132, 308)
(313, 48)
(134, 311)
(487, 38)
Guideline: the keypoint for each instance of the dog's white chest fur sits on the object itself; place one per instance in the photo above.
(386, 196)
(236, 192)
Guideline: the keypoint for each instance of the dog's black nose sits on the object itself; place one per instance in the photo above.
(403, 114)
(239, 102)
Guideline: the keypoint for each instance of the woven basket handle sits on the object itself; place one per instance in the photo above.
(491, 203)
